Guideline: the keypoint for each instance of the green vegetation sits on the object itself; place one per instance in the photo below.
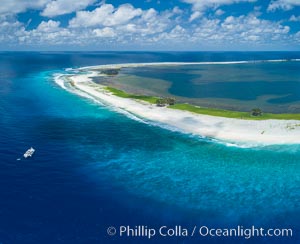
(256, 112)
(206, 111)
(211, 111)
(233, 114)
(161, 102)
(123, 94)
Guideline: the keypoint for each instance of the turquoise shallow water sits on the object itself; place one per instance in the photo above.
(230, 185)
(95, 167)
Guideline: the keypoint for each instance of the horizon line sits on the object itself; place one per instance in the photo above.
(78, 51)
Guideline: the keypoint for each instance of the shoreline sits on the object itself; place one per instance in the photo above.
(231, 130)
(133, 65)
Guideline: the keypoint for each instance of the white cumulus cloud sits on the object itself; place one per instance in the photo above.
(242, 29)
(105, 32)
(105, 15)
(199, 6)
(203, 4)
(283, 4)
(109, 26)
(60, 7)
(49, 26)
(19, 6)
(49, 8)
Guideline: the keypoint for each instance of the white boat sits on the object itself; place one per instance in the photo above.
(29, 152)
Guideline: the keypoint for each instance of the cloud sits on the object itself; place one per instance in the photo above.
(60, 7)
(204, 4)
(48, 33)
(176, 35)
(49, 26)
(199, 6)
(294, 18)
(219, 12)
(195, 15)
(105, 32)
(124, 26)
(50, 8)
(283, 4)
(105, 15)
(17, 6)
(297, 36)
(10, 29)
(238, 30)
(152, 22)
(177, 10)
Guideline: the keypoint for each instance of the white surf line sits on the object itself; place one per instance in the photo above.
(60, 81)
(242, 133)
(235, 131)
(132, 65)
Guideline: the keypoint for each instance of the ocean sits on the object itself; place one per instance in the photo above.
(96, 168)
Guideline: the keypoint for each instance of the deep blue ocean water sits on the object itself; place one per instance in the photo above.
(96, 168)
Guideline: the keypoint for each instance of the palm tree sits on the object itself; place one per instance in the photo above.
(170, 101)
(256, 112)
(160, 102)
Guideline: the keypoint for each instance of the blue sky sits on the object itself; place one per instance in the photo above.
(150, 25)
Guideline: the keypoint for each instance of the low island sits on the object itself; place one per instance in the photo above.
(253, 128)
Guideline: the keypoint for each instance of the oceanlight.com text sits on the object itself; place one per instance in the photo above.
(200, 231)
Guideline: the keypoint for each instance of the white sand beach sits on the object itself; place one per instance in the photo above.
(239, 131)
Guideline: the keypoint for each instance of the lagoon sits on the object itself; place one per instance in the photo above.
(272, 86)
